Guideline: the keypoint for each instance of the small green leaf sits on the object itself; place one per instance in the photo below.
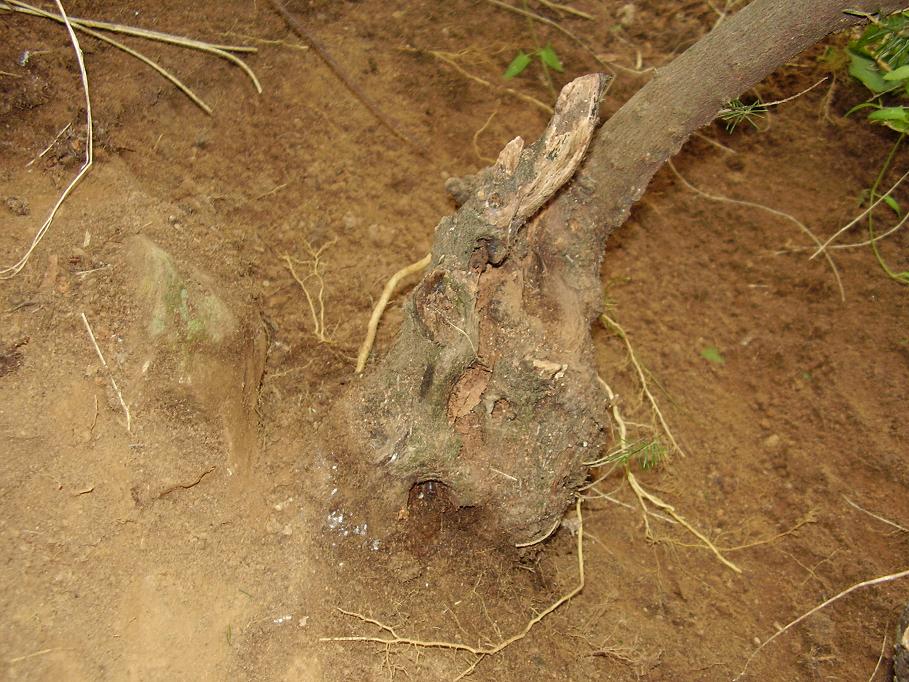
(866, 70)
(712, 354)
(517, 66)
(549, 57)
(900, 74)
(896, 118)
(889, 114)
(863, 105)
(893, 204)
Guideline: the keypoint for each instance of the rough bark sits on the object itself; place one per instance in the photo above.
(490, 386)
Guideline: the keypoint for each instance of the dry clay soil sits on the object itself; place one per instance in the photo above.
(205, 543)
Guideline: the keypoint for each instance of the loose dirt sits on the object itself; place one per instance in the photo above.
(177, 550)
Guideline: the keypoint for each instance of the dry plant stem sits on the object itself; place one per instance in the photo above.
(640, 372)
(222, 51)
(110, 374)
(553, 24)
(13, 270)
(772, 211)
(559, 7)
(138, 55)
(900, 528)
(479, 652)
(849, 590)
(822, 248)
(380, 307)
(297, 27)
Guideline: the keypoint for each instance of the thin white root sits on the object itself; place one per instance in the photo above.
(380, 307)
(848, 590)
(643, 380)
(110, 374)
(479, 652)
(822, 248)
(13, 270)
(781, 214)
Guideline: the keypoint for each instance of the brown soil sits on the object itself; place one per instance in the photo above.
(162, 553)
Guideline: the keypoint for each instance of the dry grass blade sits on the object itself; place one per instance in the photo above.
(772, 211)
(222, 51)
(13, 270)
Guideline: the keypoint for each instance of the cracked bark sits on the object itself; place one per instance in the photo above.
(490, 386)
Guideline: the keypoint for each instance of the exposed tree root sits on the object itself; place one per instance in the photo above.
(479, 652)
(379, 308)
(315, 299)
(642, 378)
(644, 496)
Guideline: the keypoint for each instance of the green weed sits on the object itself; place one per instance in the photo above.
(879, 59)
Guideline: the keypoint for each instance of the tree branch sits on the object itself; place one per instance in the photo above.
(654, 124)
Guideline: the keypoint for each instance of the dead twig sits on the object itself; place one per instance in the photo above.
(297, 27)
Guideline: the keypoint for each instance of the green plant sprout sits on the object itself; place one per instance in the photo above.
(879, 59)
(547, 56)
(737, 112)
(647, 454)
